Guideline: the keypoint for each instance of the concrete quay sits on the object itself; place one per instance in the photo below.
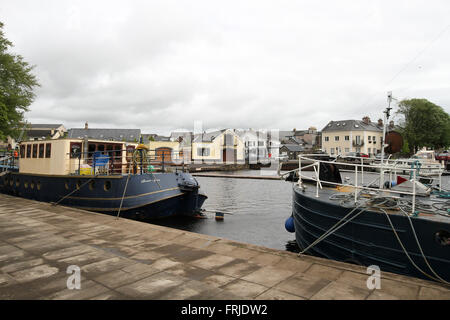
(125, 259)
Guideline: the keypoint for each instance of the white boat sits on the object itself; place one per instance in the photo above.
(424, 160)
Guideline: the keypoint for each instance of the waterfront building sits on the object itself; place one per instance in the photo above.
(255, 144)
(223, 146)
(344, 136)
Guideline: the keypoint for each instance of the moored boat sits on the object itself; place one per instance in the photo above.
(105, 176)
(394, 222)
(398, 231)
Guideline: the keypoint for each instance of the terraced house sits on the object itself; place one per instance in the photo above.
(341, 137)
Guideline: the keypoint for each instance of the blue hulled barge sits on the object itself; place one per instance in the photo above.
(110, 177)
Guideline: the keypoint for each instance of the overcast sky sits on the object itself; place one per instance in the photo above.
(161, 65)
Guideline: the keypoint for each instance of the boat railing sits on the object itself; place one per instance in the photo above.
(119, 162)
(358, 187)
(8, 161)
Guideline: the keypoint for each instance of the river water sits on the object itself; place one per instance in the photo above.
(258, 209)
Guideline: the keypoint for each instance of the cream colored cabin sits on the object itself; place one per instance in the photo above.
(66, 156)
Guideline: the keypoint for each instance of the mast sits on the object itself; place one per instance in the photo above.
(383, 144)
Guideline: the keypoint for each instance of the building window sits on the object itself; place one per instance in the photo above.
(41, 150)
(347, 149)
(347, 138)
(48, 150)
(369, 137)
(327, 138)
(260, 143)
(203, 152)
(358, 140)
(332, 150)
(374, 139)
(368, 150)
(35, 150)
(358, 149)
(336, 138)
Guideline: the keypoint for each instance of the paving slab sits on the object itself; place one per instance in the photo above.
(125, 259)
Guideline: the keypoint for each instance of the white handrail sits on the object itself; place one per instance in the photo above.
(316, 164)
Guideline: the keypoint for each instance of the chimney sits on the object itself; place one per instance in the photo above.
(366, 120)
(86, 125)
(380, 122)
(391, 124)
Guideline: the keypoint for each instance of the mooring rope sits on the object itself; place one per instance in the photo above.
(124, 191)
(388, 203)
(76, 189)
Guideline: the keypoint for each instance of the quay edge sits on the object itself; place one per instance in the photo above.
(126, 259)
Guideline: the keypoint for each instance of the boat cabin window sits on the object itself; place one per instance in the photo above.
(48, 150)
(75, 150)
(35, 150)
(22, 151)
(28, 150)
(41, 150)
(118, 149)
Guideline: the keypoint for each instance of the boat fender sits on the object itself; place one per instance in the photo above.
(390, 184)
(289, 224)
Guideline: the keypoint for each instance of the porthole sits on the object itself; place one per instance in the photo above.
(6, 181)
(66, 184)
(25, 184)
(78, 184)
(17, 183)
(38, 185)
(11, 182)
(32, 184)
(107, 185)
(92, 185)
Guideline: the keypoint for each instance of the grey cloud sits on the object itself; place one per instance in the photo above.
(161, 65)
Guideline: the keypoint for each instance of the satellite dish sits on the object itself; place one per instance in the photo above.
(394, 140)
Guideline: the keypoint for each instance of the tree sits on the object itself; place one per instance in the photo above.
(16, 89)
(425, 124)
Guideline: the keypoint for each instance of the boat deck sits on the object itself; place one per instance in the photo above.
(326, 193)
(125, 259)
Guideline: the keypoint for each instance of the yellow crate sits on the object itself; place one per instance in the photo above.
(86, 171)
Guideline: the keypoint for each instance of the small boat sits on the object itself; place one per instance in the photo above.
(424, 160)
(111, 177)
(398, 224)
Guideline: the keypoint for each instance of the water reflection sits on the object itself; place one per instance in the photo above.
(258, 210)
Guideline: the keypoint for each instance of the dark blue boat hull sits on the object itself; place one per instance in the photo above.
(147, 196)
(369, 239)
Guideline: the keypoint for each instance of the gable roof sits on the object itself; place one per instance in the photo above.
(130, 135)
(38, 126)
(208, 136)
(351, 125)
(293, 147)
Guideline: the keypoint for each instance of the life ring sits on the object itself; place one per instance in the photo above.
(140, 156)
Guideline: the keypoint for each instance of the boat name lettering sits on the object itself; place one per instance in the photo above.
(145, 181)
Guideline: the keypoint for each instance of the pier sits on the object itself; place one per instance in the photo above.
(126, 259)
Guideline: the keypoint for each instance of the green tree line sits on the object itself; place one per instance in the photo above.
(424, 124)
(16, 88)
